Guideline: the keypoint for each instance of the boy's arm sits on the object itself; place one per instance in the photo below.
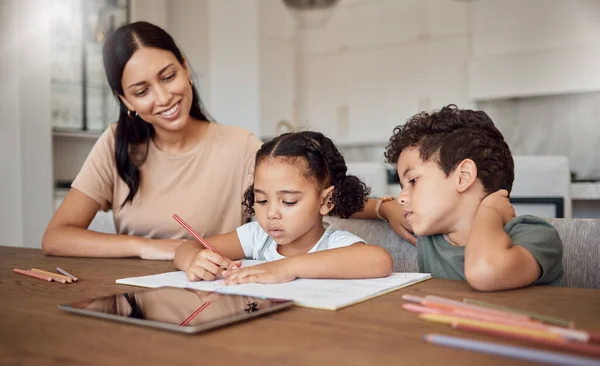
(355, 261)
(227, 244)
(392, 212)
(492, 261)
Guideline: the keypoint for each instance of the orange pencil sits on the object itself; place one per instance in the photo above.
(560, 344)
(56, 277)
(33, 274)
(451, 320)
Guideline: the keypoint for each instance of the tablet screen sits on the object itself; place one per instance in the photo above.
(177, 309)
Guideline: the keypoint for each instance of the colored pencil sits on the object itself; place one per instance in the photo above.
(522, 353)
(33, 274)
(192, 315)
(447, 304)
(479, 308)
(541, 317)
(195, 234)
(55, 276)
(571, 334)
(66, 274)
(445, 319)
(578, 347)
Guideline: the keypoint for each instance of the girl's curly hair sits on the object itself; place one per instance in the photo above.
(449, 136)
(323, 162)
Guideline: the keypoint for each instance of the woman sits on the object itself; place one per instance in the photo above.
(163, 156)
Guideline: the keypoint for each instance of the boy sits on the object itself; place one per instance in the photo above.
(456, 172)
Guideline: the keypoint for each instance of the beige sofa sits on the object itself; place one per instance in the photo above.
(581, 247)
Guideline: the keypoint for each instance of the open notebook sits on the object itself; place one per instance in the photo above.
(311, 293)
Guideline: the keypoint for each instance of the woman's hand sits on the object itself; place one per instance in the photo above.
(392, 212)
(272, 272)
(207, 265)
(163, 249)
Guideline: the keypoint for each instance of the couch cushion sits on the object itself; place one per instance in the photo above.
(380, 233)
(581, 247)
(581, 251)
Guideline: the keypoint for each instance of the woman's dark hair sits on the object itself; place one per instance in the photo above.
(449, 136)
(323, 162)
(133, 134)
(136, 310)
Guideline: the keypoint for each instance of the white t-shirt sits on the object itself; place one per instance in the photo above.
(257, 244)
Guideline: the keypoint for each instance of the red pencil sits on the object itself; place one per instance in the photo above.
(192, 315)
(195, 234)
(33, 274)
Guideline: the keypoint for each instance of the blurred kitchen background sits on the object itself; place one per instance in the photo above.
(352, 69)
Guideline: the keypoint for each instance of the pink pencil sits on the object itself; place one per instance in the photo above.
(450, 305)
(195, 234)
(33, 274)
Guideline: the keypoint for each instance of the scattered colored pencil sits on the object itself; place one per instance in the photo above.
(571, 334)
(33, 274)
(541, 317)
(57, 277)
(522, 353)
(66, 274)
(450, 320)
(447, 304)
(578, 347)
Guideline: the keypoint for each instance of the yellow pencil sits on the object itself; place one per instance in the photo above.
(445, 319)
(57, 277)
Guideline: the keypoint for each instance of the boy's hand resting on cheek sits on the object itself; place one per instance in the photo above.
(207, 265)
(499, 202)
(392, 212)
(272, 272)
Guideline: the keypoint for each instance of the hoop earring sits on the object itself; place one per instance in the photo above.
(132, 114)
(191, 82)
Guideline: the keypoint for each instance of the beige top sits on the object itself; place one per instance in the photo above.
(204, 186)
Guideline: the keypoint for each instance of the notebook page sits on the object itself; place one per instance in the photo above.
(320, 293)
(175, 279)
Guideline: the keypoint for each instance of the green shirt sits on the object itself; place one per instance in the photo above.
(540, 238)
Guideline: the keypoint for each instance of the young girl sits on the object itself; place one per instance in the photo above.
(299, 178)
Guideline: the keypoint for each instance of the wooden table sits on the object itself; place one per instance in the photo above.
(34, 331)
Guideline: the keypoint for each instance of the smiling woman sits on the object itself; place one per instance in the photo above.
(162, 156)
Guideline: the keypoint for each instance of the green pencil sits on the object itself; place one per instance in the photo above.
(540, 317)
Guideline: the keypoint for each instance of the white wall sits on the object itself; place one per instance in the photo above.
(277, 63)
(534, 47)
(25, 130)
(234, 71)
(153, 11)
(376, 63)
(187, 23)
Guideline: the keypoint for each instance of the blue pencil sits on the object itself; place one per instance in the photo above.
(523, 353)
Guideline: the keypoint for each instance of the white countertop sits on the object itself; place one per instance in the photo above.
(585, 191)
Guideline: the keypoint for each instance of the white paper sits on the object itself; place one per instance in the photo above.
(313, 293)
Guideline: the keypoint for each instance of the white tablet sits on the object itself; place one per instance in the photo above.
(177, 309)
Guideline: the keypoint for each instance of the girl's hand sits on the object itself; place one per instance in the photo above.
(272, 272)
(207, 265)
(158, 249)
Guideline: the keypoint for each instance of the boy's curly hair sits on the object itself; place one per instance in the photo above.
(321, 161)
(449, 136)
